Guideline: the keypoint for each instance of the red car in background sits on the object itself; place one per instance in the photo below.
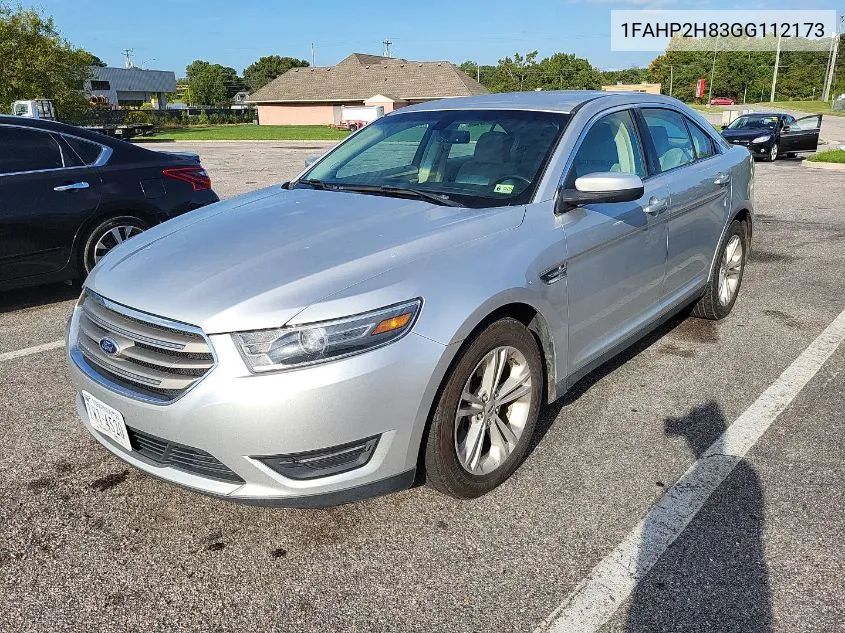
(722, 101)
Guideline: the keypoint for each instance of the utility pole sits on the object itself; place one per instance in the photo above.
(312, 55)
(713, 72)
(775, 75)
(387, 44)
(127, 54)
(831, 72)
(671, 78)
(478, 73)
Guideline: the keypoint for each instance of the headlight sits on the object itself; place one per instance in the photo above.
(297, 346)
(762, 139)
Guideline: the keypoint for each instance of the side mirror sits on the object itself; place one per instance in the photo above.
(786, 128)
(598, 188)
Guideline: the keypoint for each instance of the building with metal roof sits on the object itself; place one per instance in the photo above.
(131, 86)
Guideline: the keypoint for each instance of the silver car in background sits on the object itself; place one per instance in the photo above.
(405, 307)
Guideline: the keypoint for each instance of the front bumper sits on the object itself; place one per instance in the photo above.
(236, 416)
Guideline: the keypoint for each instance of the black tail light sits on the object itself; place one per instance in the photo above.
(196, 176)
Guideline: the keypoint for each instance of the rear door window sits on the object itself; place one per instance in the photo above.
(670, 138)
(24, 150)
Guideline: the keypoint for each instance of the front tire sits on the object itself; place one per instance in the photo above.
(773, 153)
(723, 287)
(105, 236)
(487, 412)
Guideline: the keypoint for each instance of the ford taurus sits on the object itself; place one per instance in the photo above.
(403, 309)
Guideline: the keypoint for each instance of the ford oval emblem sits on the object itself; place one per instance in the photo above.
(108, 346)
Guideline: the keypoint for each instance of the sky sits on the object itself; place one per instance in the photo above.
(169, 34)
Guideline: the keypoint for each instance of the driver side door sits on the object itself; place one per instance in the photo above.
(802, 135)
(616, 251)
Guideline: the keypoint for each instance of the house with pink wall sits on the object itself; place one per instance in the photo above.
(315, 95)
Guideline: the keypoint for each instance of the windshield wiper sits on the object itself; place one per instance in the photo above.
(314, 182)
(402, 191)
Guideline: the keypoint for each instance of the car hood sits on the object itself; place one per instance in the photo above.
(747, 133)
(256, 261)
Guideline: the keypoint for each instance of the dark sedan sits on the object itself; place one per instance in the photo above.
(768, 135)
(68, 196)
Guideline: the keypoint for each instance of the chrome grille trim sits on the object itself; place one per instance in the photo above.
(158, 360)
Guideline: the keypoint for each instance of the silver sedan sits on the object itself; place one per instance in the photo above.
(403, 309)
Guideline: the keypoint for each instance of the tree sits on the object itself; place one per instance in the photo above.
(626, 76)
(266, 69)
(475, 70)
(563, 71)
(211, 84)
(515, 73)
(93, 60)
(37, 63)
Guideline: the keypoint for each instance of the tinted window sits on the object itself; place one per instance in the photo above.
(611, 144)
(669, 135)
(87, 151)
(27, 150)
(702, 142)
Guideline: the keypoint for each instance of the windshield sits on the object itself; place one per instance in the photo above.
(770, 122)
(474, 158)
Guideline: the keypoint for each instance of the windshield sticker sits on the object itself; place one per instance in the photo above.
(500, 188)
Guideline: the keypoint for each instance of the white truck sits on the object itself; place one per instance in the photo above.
(355, 117)
(46, 109)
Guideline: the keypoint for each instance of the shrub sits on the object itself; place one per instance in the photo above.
(203, 118)
(137, 116)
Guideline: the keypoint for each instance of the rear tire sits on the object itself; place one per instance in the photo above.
(105, 236)
(723, 287)
(487, 412)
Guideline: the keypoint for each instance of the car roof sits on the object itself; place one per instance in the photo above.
(764, 114)
(53, 126)
(563, 101)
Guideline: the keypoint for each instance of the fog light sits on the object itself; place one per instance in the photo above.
(323, 462)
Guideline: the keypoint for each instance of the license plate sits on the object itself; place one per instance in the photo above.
(107, 420)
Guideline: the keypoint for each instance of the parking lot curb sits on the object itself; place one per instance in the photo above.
(819, 165)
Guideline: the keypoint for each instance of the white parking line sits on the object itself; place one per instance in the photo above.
(31, 350)
(599, 595)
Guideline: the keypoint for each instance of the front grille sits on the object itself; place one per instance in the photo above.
(181, 457)
(154, 358)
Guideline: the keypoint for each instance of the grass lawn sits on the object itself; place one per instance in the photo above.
(810, 107)
(831, 156)
(250, 132)
(706, 108)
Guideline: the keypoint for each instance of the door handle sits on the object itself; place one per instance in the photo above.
(656, 205)
(722, 179)
(71, 187)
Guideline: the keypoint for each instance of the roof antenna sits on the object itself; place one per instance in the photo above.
(386, 50)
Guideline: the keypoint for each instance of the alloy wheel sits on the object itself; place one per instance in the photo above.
(730, 270)
(493, 410)
(112, 238)
(773, 153)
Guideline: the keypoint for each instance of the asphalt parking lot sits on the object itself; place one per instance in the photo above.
(90, 544)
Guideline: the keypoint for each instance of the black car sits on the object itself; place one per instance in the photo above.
(68, 195)
(768, 135)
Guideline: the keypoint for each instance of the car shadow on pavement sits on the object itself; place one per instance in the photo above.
(714, 576)
(22, 298)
